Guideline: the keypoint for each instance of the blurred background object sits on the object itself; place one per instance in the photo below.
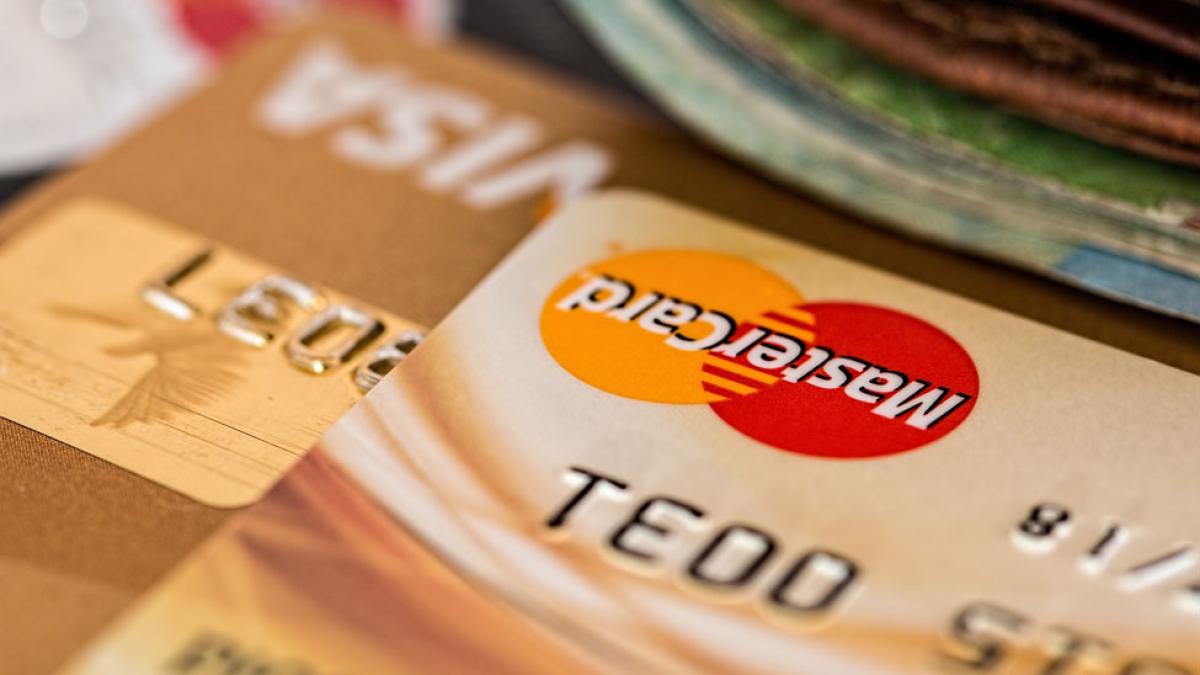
(1016, 131)
(542, 31)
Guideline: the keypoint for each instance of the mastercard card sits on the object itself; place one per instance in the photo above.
(671, 443)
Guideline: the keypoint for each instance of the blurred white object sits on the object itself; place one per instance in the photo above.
(74, 74)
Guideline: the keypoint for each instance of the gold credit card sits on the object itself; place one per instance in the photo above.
(666, 442)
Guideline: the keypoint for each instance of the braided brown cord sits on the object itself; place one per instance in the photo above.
(1169, 24)
(1082, 76)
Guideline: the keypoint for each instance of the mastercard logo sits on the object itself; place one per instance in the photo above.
(836, 380)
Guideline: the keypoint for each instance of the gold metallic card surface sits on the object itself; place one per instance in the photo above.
(683, 445)
(180, 360)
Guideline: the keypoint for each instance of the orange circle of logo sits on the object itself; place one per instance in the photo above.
(826, 379)
(616, 326)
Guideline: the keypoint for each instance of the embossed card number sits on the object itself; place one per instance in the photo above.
(191, 365)
(327, 339)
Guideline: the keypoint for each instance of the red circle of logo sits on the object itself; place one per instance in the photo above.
(924, 385)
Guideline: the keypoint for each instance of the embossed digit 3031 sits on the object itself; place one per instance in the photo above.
(327, 337)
